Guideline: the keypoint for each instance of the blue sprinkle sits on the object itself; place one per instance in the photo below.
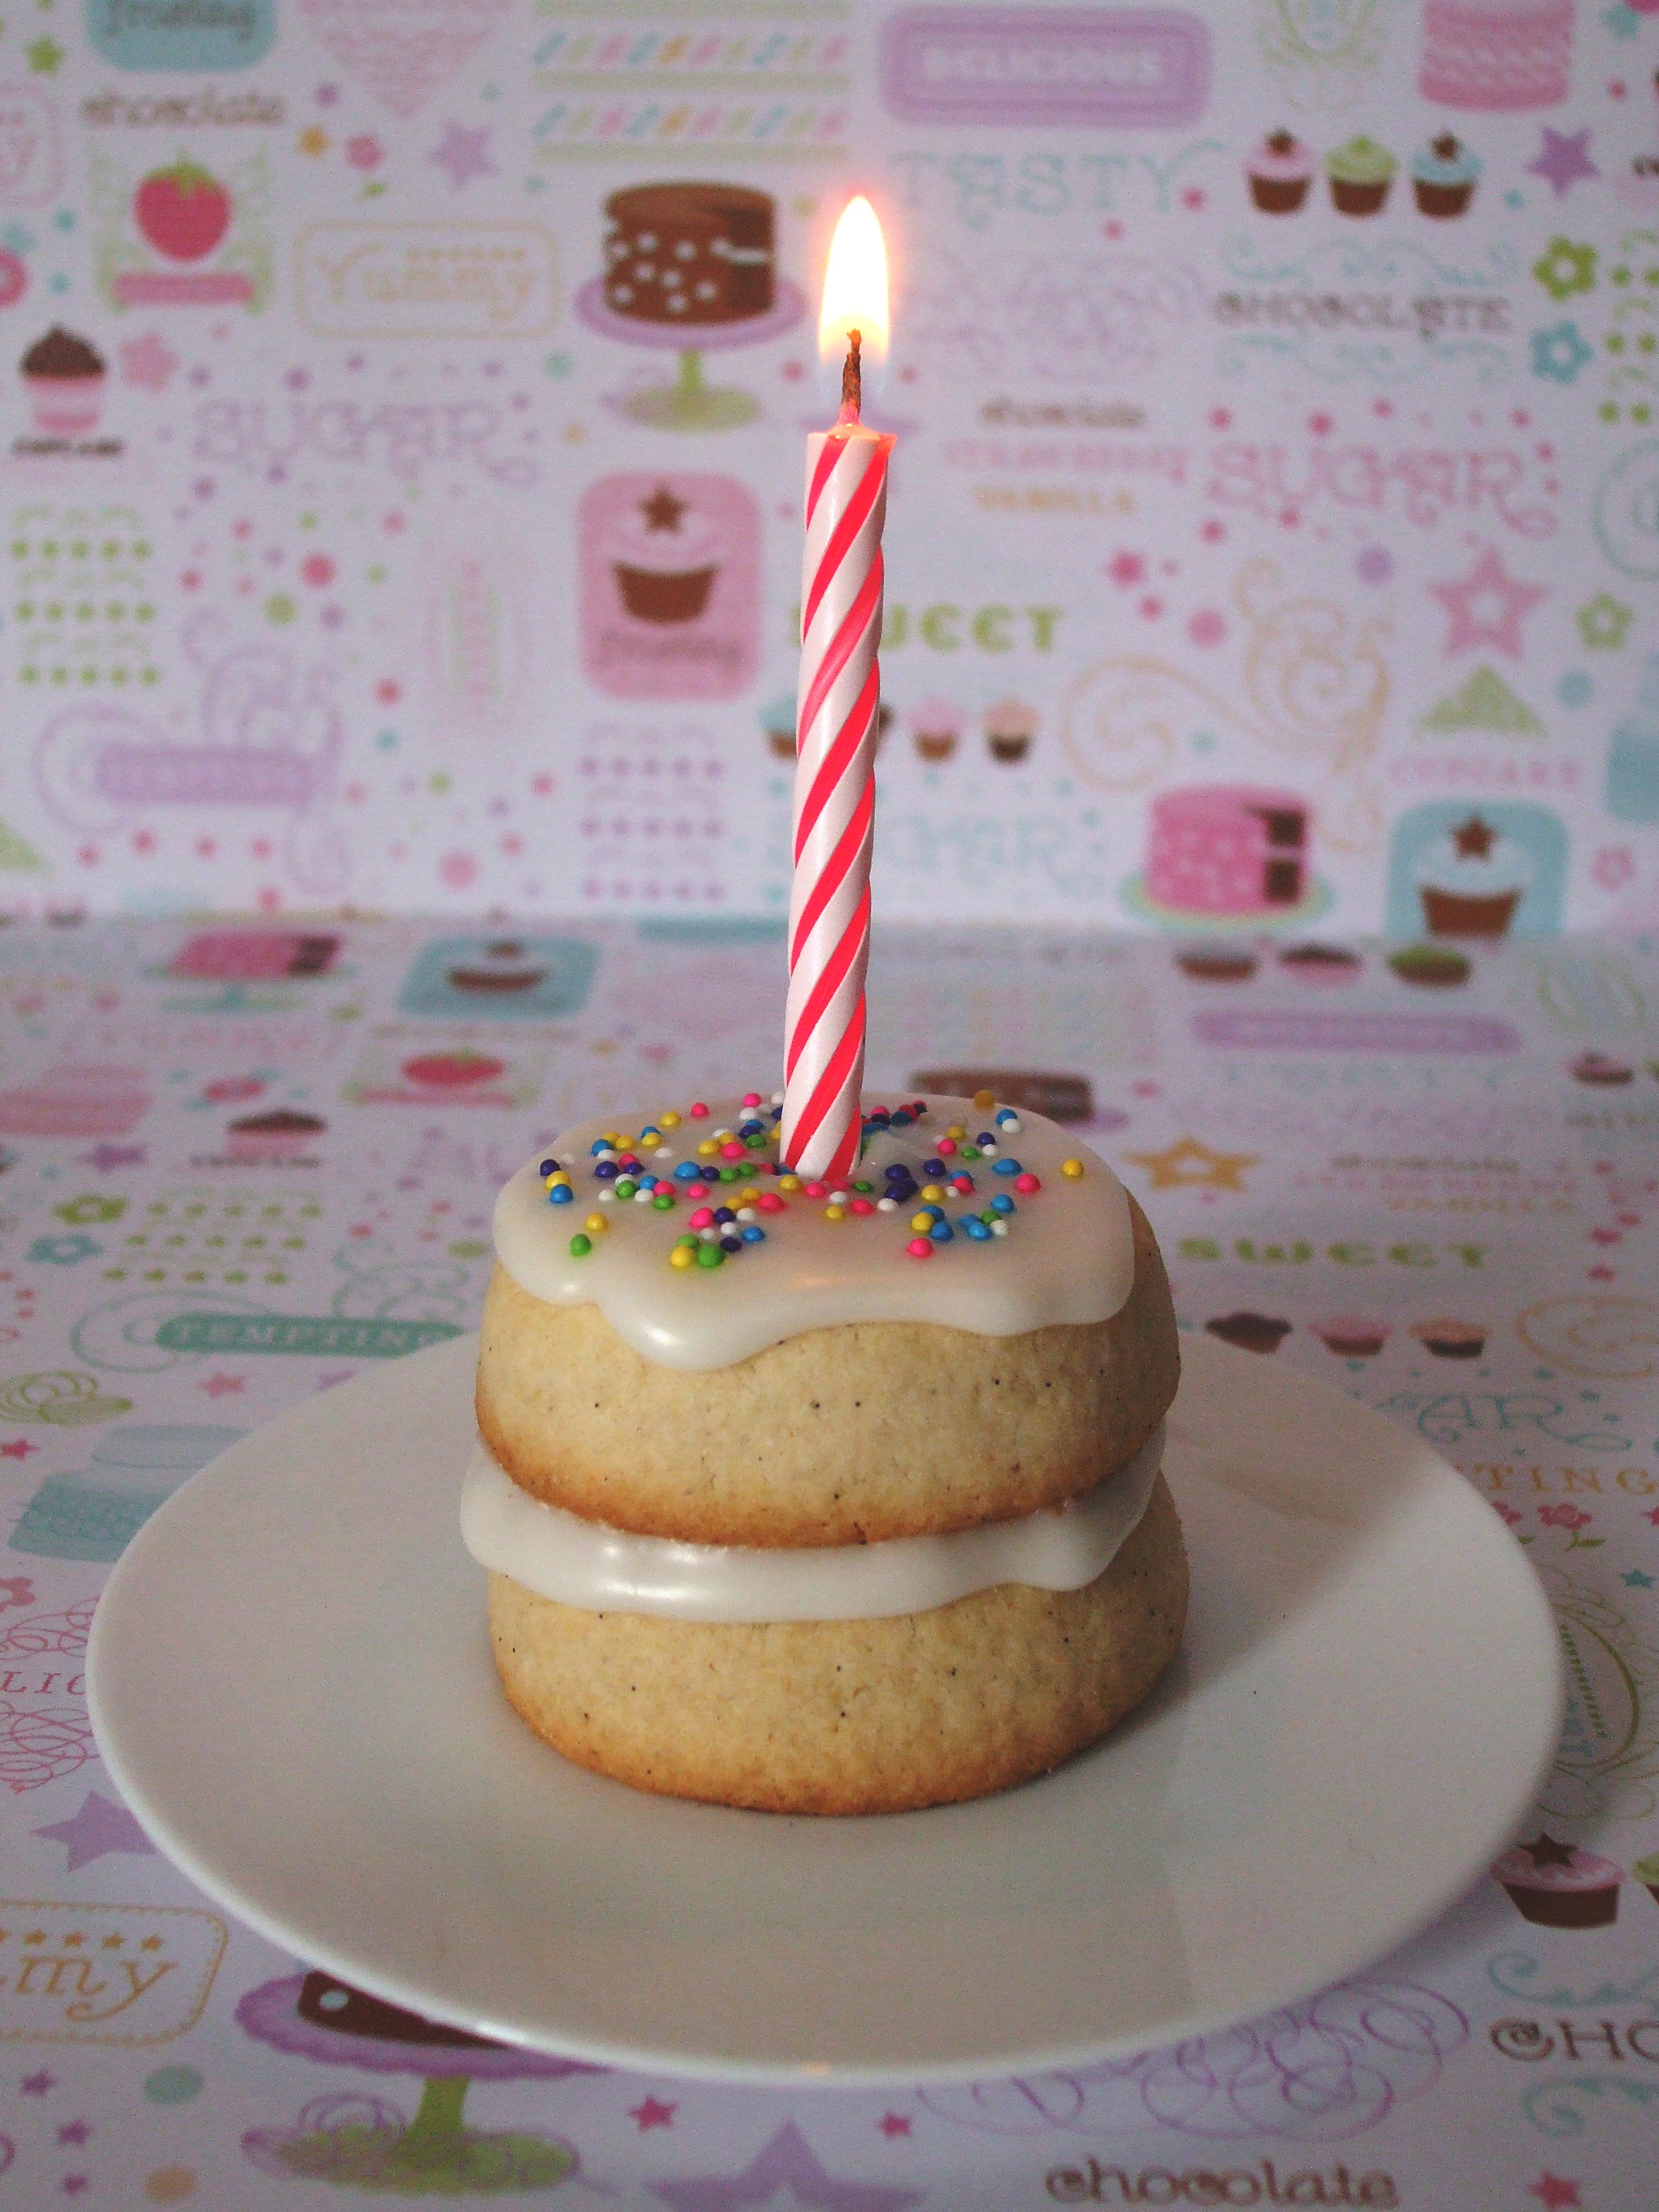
(724, 1213)
(984, 1137)
(561, 1195)
(941, 1232)
(1005, 1167)
(548, 1167)
(651, 1130)
(598, 1145)
(732, 1242)
(901, 1119)
(1006, 1115)
(932, 1167)
(977, 1230)
(1003, 1203)
(754, 1234)
(685, 1172)
(607, 1171)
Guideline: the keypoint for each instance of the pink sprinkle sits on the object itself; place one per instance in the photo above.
(751, 1098)
(946, 1145)
(769, 1202)
(920, 1248)
(734, 1150)
(699, 1112)
(962, 1183)
(703, 1217)
(816, 1189)
(697, 1190)
(1028, 1183)
(860, 1205)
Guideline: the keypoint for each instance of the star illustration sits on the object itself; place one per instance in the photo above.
(893, 2124)
(150, 363)
(224, 1386)
(1486, 607)
(1652, 1514)
(787, 2162)
(1554, 2194)
(1637, 1580)
(1544, 1850)
(463, 155)
(1189, 1165)
(1563, 160)
(74, 2132)
(653, 2113)
(36, 2085)
(1473, 839)
(18, 1447)
(96, 1829)
(662, 511)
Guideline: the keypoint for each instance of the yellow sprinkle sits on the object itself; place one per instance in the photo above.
(834, 1212)
(682, 1256)
(747, 1197)
(957, 1131)
(561, 1180)
(924, 1222)
(933, 1191)
(670, 1121)
(597, 1223)
(706, 1150)
(649, 1144)
(789, 1182)
(985, 1100)
(1073, 1168)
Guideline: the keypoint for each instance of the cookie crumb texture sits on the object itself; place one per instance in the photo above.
(850, 1716)
(839, 1436)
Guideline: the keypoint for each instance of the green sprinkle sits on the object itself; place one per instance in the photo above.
(864, 1190)
(688, 1240)
(757, 1143)
(626, 1186)
(664, 1201)
(580, 1247)
(709, 1255)
(733, 1174)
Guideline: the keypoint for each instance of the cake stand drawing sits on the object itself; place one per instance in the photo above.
(689, 403)
(360, 2143)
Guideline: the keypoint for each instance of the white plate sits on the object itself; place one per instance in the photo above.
(291, 1683)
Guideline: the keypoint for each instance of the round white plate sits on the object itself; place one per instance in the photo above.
(291, 1683)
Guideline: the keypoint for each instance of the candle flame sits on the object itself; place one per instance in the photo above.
(855, 288)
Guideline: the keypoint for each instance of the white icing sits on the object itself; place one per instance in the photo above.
(1068, 1254)
(605, 1570)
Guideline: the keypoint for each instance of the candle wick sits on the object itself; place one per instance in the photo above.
(852, 380)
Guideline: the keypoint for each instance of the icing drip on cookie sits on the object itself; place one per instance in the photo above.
(700, 1250)
(605, 1570)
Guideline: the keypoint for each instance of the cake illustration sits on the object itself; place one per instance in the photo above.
(1359, 172)
(688, 254)
(739, 1546)
(1431, 967)
(1279, 173)
(64, 379)
(75, 1100)
(664, 557)
(1010, 727)
(1321, 964)
(1443, 177)
(1471, 880)
(936, 728)
(1217, 964)
(1027, 1089)
(1250, 1332)
(1601, 1071)
(1450, 1338)
(1352, 1336)
(1483, 705)
(254, 955)
(502, 969)
(1557, 1885)
(1226, 849)
(284, 1133)
(1497, 56)
(95, 1514)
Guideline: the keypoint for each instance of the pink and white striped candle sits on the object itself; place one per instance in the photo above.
(839, 694)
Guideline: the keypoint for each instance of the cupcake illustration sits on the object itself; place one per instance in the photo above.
(1360, 172)
(1471, 880)
(1352, 1336)
(1448, 1338)
(1217, 964)
(665, 558)
(64, 379)
(1557, 1885)
(1279, 173)
(1646, 1871)
(281, 1134)
(1010, 727)
(1601, 1071)
(1250, 1332)
(501, 968)
(1443, 177)
(1431, 967)
(1321, 964)
(936, 728)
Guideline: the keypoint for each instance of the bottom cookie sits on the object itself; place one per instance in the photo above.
(850, 1716)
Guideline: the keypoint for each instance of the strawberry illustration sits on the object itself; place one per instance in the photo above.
(184, 211)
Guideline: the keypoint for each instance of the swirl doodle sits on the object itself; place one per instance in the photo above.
(1515, 1972)
(1552, 2109)
(64, 1633)
(1316, 688)
(1615, 1337)
(1627, 510)
(1113, 316)
(38, 1743)
(62, 1398)
(1322, 2071)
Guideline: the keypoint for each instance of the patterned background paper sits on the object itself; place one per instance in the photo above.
(1242, 493)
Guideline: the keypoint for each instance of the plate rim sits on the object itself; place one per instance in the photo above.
(223, 1888)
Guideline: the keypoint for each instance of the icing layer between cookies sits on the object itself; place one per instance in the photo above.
(1064, 1252)
(604, 1569)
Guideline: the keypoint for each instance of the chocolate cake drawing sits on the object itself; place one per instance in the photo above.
(690, 254)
